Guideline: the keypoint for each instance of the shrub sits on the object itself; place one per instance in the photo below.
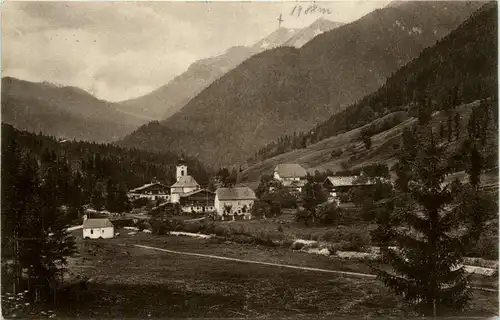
(328, 213)
(329, 235)
(159, 227)
(139, 203)
(221, 231)
(178, 225)
(275, 208)
(260, 209)
(486, 247)
(141, 226)
(316, 236)
(241, 238)
(263, 238)
(358, 240)
(193, 227)
(336, 153)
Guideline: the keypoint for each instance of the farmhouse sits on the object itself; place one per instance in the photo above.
(200, 200)
(340, 186)
(291, 175)
(151, 191)
(98, 229)
(184, 183)
(236, 201)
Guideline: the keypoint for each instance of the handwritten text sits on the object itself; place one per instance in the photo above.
(311, 9)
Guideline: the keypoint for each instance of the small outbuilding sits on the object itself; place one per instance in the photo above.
(98, 229)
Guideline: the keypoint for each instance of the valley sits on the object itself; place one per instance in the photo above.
(331, 160)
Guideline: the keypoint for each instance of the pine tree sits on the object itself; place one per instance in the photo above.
(312, 195)
(425, 265)
(471, 125)
(450, 127)
(111, 196)
(475, 167)
(441, 130)
(457, 125)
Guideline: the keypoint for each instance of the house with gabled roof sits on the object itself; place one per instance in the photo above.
(339, 185)
(235, 201)
(198, 201)
(151, 191)
(98, 229)
(291, 175)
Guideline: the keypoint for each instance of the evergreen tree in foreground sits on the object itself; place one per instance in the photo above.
(430, 228)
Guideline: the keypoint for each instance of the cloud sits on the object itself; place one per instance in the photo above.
(119, 50)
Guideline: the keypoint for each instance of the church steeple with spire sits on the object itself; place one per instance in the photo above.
(181, 170)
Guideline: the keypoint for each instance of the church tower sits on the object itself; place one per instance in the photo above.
(181, 170)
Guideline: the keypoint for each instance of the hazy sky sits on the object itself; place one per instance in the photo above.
(119, 50)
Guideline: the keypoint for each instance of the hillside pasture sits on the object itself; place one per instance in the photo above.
(384, 148)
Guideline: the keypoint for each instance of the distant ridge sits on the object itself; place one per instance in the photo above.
(286, 89)
(170, 98)
(63, 111)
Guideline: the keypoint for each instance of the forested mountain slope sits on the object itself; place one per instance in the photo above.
(285, 90)
(97, 162)
(460, 68)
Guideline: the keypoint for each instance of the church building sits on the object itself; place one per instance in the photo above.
(184, 183)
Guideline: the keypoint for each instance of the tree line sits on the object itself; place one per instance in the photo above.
(47, 182)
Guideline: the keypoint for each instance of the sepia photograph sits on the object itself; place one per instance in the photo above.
(249, 159)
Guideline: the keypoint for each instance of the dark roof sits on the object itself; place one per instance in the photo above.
(185, 182)
(96, 223)
(290, 170)
(236, 193)
(184, 195)
(351, 181)
(149, 185)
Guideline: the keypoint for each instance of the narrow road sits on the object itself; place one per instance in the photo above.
(347, 273)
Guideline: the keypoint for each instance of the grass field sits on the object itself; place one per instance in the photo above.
(130, 282)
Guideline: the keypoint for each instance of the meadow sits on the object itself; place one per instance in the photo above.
(115, 279)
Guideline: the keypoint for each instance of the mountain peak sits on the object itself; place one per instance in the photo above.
(291, 89)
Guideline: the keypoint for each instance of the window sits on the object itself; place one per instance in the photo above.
(91, 231)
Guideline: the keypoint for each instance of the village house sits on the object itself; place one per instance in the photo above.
(184, 183)
(198, 201)
(339, 186)
(291, 175)
(151, 191)
(234, 202)
(97, 228)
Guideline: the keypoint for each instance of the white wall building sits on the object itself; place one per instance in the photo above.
(98, 229)
(234, 201)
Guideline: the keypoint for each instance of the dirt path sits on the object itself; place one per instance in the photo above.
(347, 273)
